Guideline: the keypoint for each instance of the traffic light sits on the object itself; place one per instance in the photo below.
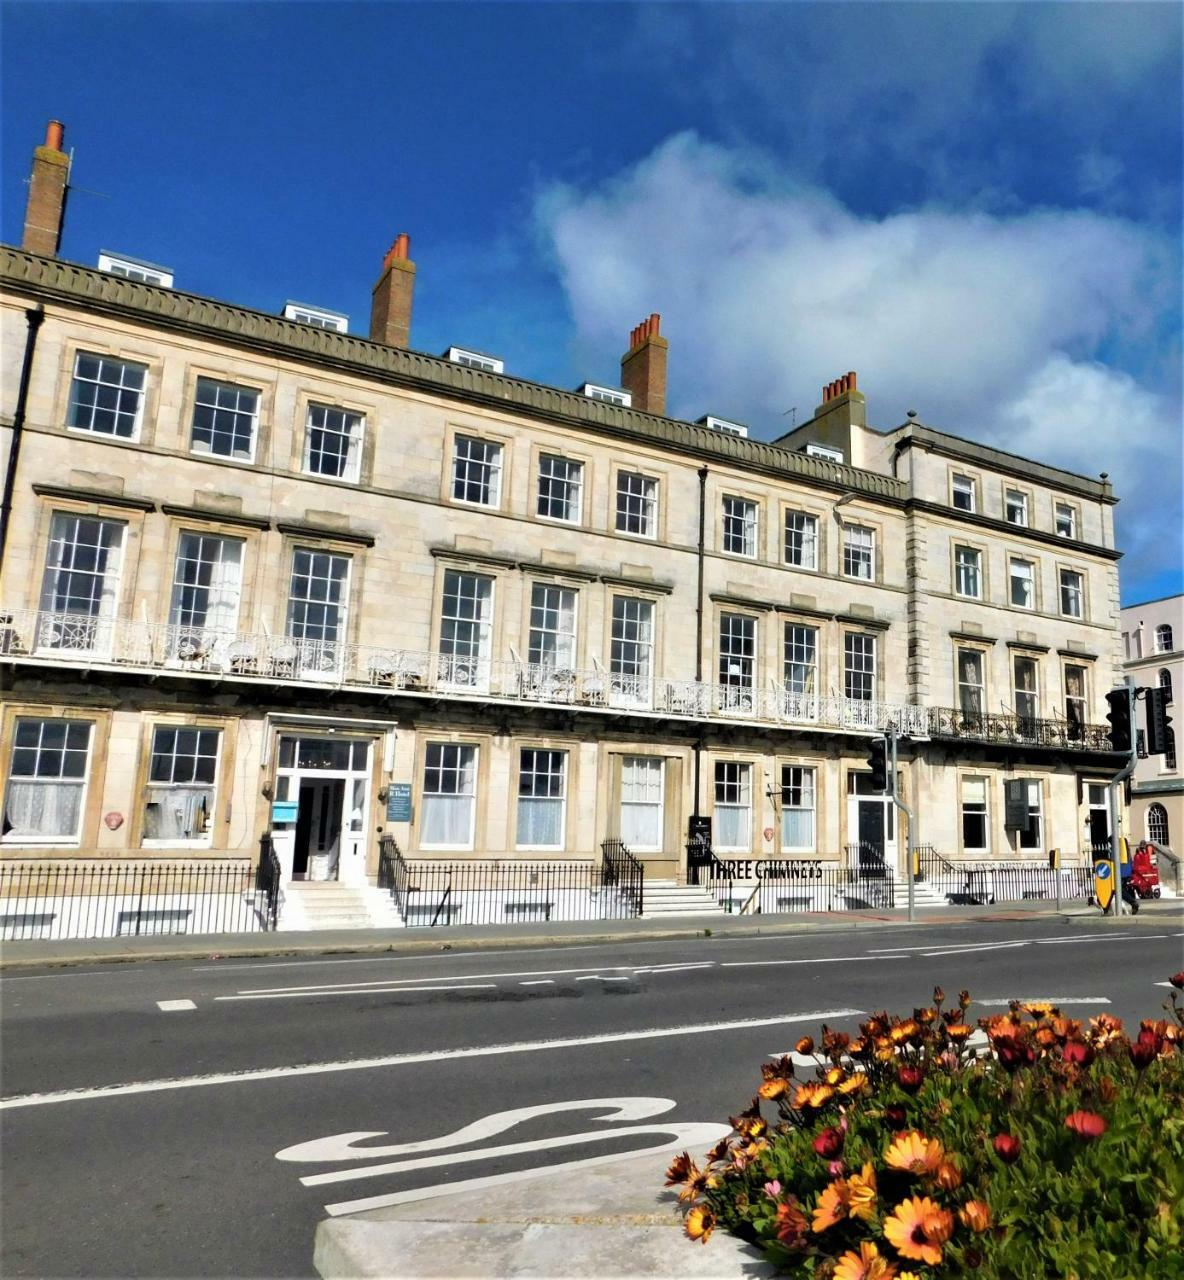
(877, 758)
(1159, 723)
(1119, 716)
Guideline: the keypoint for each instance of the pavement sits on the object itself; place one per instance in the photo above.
(51, 952)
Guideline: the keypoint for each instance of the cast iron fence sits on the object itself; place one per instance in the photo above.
(786, 885)
(477, 891)
(267, 882)
(89, 899)
(978, 883)
(622, 871)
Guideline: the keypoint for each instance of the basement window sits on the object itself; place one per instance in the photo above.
(475, 359)
(610, 395)
(135, 269)
(318, 317)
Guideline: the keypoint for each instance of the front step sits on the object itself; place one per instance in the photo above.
(665, 899)
(924, 894)
(316, 905)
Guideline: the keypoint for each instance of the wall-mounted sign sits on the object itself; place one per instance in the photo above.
(283, 811)
(398, 802)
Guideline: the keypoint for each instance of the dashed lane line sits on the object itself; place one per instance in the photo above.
(358, 991)
(411, 1059)
(174, 1006)
(761, 964)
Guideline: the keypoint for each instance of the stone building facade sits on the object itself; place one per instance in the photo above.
(267, 578)
(1153, 645)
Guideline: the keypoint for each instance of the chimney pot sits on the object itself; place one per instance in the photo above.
(45, 211)
(852, 384)
(643, 366)
(54, 133)
(390, 302)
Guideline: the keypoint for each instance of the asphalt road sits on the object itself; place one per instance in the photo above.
(144, 1105)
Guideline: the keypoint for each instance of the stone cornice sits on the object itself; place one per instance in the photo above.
(100, 496)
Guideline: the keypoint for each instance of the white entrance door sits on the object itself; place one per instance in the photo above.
(871, 821)
(323, 785)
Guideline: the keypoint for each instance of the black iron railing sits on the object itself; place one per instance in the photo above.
(625, 873)
(985, 726)
(811, 884)
(92, 899)
(980, 883)
(866, 861)
(267, 882)
(933, 866)
(481, 892)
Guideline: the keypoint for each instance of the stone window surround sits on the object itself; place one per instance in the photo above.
(661, 478)
(484, 744)
(298, 539)
(984, 568)
(989, 778)
(561, 449)
(308, 393)
(114, 346)
(224, 784)
(212, 525)
(976, 479)
(251, 380)
(1064, 566)
(725, 489)
(571, 805)
(822, 549)
(756, 797)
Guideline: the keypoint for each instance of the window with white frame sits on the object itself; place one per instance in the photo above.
(737, 656)
(46, 781)
(1066, 520)
(642, 787)
(976, 829)
(1032, 835)
(859, 666)
(637, 504)
(1165, 683)
(801, 540)
(449, 796)
(733, 805)
(333, 442)
(552, 626)
(80, 586)
(207, 579)
(1157, 824)
(859, 552)
(631, 654)
(798, 804)
(1075, 700)
(225, 419)
(1164, 641)
(1169, 750)
(971, 692)
(106, 396)
(1015, 507)
(1072, 593)
(466, 627)
(182, 781)
(739, 527)
(318, 599)
(561, 486)
(1025, 687)
(542, 796)
(476, 471)
(968, 572)
(964, 495)
(1023, 583)
(801, 669)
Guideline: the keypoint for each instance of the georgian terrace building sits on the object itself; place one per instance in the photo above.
(262, 576)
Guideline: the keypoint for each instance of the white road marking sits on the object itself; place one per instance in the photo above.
(1142, 937)
(174, 1006)
(408, 1059)
(1056, 1000)
(958, 951)
(355, 991)
(676, 968)
(380, 957)
(760, 964)
(688, 1138)
(542, 982)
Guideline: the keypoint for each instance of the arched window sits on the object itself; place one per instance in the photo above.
(1169, 749)
(1163, 638)
(1157, 824)
(1165, 683)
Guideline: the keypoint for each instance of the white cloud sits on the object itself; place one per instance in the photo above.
(990, 327)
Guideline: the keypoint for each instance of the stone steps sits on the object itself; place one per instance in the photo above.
(664, 899)
(329, 905)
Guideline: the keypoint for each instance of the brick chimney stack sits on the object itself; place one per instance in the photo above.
(390, 305)
(843, 399)
(48, 184)
(643, 366)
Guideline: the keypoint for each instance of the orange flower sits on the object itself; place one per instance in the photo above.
(700, 1224)
(813, 1095)
(917, 1228)
(958, 1031)
(861, 1191)
(791, 1224)
(836, 1075)
(775, 1088)
(976, 1215)
(1041, 1009)
(853, 1085)
(867, 1264)
(681, 1168)
(832, 1206)
(948, 1176)
(912, 1152)
(804, 1045)
(1086, 1124)
(717, 1153)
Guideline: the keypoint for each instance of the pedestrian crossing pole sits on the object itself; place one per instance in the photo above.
(1116, 782)
(911, 842)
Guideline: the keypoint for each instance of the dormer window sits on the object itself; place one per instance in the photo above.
(135, 269)
(824, 451)
(318, 317)
(726, 425)
(475, 359)
(610, 395)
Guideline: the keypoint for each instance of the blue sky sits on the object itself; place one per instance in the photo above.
(977, 206)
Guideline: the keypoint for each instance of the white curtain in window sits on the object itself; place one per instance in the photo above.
(731, 826)
(797, 828)
(448, 820)
(540, 821)
(641, 825)
(42, 810)
(177, 813)
(225, 580)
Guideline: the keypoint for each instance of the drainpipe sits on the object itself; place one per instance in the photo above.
(33, 317)
(699, 623)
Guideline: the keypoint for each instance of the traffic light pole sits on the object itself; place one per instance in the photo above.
(908, 813)
(1115, 811)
